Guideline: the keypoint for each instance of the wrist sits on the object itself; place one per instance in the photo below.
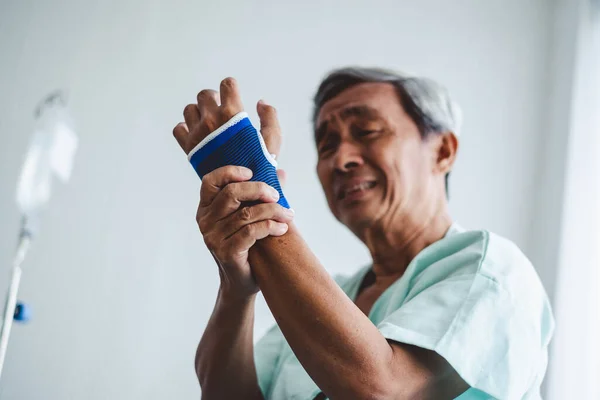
(234, 298)
(237, 142)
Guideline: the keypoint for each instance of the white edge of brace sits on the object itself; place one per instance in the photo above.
(233, 121)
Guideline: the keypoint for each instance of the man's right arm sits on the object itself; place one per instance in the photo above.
(225, 356)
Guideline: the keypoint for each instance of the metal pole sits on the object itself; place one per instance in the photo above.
(11, 297)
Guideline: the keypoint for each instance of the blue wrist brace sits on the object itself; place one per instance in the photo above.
(237, 142)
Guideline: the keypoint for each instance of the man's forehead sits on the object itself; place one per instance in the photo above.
(352, 110)
(364, 99)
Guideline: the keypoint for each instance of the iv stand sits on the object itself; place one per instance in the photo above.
(11, 297)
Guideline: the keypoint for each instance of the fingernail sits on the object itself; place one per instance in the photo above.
(291, 211)
(247, 173)
(274, 194)
(282, 228)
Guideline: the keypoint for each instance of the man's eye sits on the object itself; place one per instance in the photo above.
(367, 132)
(325, 147)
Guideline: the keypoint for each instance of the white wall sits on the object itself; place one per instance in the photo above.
(549, 196)
(119, 280)
(576, 366)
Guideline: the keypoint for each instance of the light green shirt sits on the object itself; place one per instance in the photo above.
(472, 297)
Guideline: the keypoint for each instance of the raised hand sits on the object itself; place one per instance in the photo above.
(229, 228)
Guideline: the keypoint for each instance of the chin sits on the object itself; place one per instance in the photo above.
(359, 217)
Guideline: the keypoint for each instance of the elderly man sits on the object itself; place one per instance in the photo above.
(440, 313)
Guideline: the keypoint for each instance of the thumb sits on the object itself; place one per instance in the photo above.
(282, 177)
(269, 127)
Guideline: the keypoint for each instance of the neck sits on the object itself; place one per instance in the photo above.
(393, 245)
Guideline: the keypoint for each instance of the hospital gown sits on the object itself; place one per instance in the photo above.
(472, 297)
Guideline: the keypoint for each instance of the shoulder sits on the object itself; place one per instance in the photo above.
(502, 261)
(478, 256)
(483, 253)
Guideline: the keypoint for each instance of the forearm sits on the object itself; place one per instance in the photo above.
(225, 355)
(336, 343)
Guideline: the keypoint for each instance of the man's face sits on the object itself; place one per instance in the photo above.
(373, 164)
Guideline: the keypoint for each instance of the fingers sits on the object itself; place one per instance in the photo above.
(181, 134)
(207, 115)
(233, 195)
(240, 242)
(191, 116)
(207, 102)
(231, 101)
(254, 214)
(213, 182)
(245, 238)
(269, 127)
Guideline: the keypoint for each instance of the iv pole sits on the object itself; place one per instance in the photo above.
(50, 155)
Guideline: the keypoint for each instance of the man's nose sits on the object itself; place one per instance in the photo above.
(348, 157)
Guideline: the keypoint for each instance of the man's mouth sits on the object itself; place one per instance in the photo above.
(355, 189)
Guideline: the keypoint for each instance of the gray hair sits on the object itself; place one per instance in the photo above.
(426, 102)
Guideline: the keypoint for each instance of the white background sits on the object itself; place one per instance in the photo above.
(119, 280)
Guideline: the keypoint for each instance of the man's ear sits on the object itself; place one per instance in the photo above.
(446, 146)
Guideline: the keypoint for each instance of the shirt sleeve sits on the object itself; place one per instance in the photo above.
(266, 356)
(493, 329)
